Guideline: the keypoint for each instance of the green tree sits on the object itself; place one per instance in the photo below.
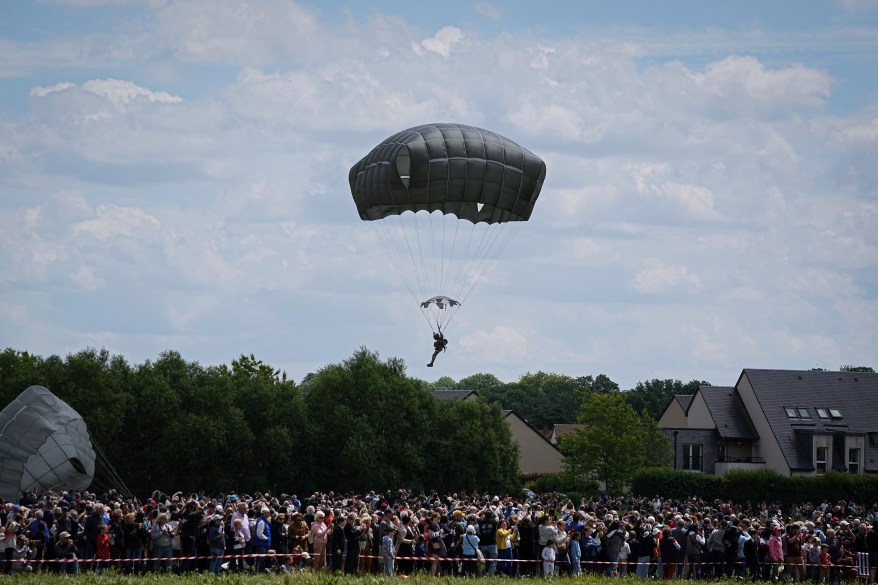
(541, 398)
(472, 449)
(615, 443)
(483, 384)
(851, 368)
(367, 416)
(602, 384)
(558, 399)
(443, 383)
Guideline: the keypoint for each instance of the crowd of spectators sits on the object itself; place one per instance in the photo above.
(455, 534)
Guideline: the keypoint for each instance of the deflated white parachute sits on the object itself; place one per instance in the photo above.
(44, 445)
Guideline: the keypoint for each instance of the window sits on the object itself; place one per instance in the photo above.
(692, 457)
(791, 412)
(820, 460)
(853, 460)
(835, 413)
(823, 412)
(803, 412)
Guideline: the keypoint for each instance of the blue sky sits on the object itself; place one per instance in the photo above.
(173, 175)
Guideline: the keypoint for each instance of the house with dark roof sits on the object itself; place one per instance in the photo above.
(559, 430)
(794, 422)
(455, 394)
(675, 413)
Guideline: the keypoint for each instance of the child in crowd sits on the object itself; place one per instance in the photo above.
(549, 555)
(825, 563)
(388, 550)
(102, 549)
(576, 552)
(300, 560)
(624, 552)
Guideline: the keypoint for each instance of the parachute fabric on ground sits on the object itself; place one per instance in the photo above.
(44, 444)
(444, 200)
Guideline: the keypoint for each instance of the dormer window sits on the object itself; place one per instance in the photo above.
(797, 412)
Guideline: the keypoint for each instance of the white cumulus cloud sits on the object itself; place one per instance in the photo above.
(658, 277)
(443, 41)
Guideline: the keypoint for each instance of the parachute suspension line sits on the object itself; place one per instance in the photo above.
(403, 236)
(474, 255)
(424, 273)
(453, 248)
(457, 280)
(440, 279)
(493, 252)
(431, 236)
(442, 270)
(491, 255)
(393, 236)
(103, 460)
(112, 475)
(98, 486)
(393, 248)
(392, 253)
(410, 257)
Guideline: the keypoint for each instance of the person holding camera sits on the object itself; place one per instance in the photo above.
(65, 552)
(216, 538)
(161, 536)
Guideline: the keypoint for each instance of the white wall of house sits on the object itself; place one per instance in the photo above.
(768, 446)
(674, 416)
(699, 415)
(858, 443)
(535, 454)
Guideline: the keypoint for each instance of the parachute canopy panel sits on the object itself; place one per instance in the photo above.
(440, 302)
(44, 444)
(468, 172)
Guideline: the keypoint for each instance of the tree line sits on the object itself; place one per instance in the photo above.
(172, 424)
(547, 399)
(175, 424)
(360, 424)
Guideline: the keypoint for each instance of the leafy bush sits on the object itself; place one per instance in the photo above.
(576, 488)
(755, 486)
(675, 484)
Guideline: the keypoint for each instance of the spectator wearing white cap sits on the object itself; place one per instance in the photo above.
(469, 546)
(65, 552)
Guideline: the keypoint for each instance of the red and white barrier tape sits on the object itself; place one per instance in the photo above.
(406, 558)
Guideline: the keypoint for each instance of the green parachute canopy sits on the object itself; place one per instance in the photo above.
(442, 198)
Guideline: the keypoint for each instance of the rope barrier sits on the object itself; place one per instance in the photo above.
(117, 560)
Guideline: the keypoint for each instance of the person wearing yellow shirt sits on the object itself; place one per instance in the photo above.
(504, 548)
